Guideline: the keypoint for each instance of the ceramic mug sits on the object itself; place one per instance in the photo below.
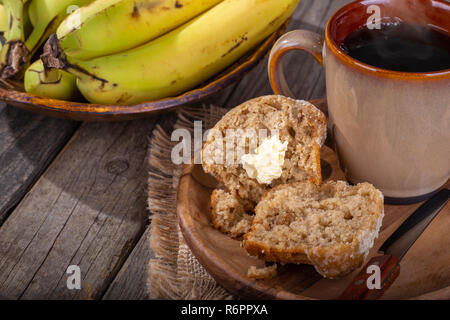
(389, 128)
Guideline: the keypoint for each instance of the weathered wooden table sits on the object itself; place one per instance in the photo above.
(75, 193)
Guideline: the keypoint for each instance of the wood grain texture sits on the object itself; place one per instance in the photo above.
(131, 281)
(87, 209)
(28, 144)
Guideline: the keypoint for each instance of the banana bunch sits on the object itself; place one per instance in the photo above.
(125, 52)
(118, 65)
(113, 26)
(28, 24)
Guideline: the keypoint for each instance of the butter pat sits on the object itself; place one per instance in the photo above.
(267, 163)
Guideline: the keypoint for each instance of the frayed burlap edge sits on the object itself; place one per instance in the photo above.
(174, 272)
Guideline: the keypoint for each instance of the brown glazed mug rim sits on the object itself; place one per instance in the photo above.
(366, 68)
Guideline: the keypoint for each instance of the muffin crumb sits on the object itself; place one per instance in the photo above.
(262, 273)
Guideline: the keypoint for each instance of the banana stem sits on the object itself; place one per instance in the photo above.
(43, 31)
(37, 37)
(13, 56)
(55, 58)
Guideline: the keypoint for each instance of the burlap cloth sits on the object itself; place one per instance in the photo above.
(174, 272)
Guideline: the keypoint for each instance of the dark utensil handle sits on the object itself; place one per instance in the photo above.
(359, 290)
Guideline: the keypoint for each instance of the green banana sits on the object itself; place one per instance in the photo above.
(14, 13)
(27, 26)
(14, 51)
(3, 25)
(42, 18)
(33, 13)
(125, 24)
(45, 16)
(179, 60)
(53, 83)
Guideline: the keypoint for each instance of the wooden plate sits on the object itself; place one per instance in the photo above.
(96, 112)
(425, 270)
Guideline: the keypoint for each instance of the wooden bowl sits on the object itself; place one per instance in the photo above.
(95, 112)
(425, 272)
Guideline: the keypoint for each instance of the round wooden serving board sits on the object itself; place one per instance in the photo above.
(424, 274)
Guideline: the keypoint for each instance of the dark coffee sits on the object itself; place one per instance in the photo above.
(400, 47)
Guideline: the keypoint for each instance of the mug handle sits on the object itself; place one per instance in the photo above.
(295, 40)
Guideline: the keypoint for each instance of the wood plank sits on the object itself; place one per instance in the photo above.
(29, 142)
(88, 209)
(131, 281)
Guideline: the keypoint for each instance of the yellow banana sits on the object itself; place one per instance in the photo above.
(123, 24)
(3, 19)
(3, 24)
(179, 60)
(53, 83)
(13, 53)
